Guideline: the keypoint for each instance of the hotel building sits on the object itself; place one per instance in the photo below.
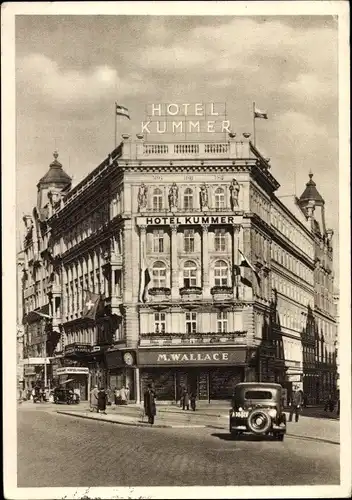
(206, 277)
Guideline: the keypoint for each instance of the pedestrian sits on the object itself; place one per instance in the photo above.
(116, 396)
(149, 404)
(102, 397)
(185, 400)
(181, 396)
(296, 403)
(123, 395)
(47, 394)
(329, 404)
(193, 401)
(94, 399)
(127, 394)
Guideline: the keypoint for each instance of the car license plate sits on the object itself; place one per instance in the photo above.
(241, 414)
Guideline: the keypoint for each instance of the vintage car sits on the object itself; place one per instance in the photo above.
(257, 408)
(66, 396)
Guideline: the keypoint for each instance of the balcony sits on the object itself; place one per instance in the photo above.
(191, 292)
(197, 338)
(159, 293)
(221, 292)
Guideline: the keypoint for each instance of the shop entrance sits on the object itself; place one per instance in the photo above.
(195, 380)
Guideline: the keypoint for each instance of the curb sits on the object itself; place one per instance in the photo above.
(133, 424)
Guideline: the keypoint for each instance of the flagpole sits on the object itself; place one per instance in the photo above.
(254, 124)
(115, 125)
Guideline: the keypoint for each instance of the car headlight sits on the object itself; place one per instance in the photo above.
(272, 412)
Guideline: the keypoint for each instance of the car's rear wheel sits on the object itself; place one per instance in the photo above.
(259, 422)
(280, 437)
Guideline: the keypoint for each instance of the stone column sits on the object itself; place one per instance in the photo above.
(205, 260)
(137, 388)
(174, 263)
(235, 260)
(142, 252)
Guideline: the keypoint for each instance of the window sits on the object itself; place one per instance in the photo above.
(158, 240)
(188, 240)
(188, 199)
(191, 322)
(157, 199)
(220, 273)
(219, 198)
(189, 274)
(220, 240)
(221, 322)
(159, 275)
(159, 323)
(265, 395)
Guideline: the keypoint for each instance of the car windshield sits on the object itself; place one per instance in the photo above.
(258, 395)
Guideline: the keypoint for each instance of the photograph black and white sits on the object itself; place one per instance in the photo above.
(178, 281)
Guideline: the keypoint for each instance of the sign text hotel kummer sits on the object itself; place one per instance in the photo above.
(187, 117)
(185, 220)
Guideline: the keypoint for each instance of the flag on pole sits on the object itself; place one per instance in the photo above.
(43, 314)
(122, 111)
(260, 114)
(91, 305)
(144, 281)
(246, 263)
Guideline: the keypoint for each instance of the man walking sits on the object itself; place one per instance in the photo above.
(296, 403)
(149, 404)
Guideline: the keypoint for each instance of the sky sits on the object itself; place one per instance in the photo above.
(71, 69)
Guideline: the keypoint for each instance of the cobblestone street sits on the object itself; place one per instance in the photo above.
(60, 450)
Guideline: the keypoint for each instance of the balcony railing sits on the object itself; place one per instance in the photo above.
(191, 290)
(162, 338)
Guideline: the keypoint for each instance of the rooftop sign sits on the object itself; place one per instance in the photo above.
(183, 118)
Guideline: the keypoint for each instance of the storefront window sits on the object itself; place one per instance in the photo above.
(191, 322)
(189, 240)
(159, 275)
(222, 322)
(159, 323)
(189, 274)
(221, 273)
(158, 241)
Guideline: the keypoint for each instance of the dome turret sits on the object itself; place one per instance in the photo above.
(55, 175)
(311, 193)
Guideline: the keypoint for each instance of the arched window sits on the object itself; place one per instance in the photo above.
(219, 198)
(157, 199)
(188, 199)
(189, 274)
(159, 275)
(221, 273)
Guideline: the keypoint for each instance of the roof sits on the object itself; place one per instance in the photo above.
(291, 203)
(56, 174)
(311, 192)
(259, 385)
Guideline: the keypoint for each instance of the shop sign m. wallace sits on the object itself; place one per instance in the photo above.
(189, 356)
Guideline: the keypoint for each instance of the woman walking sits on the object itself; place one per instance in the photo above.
(94, 399)
(102, 397)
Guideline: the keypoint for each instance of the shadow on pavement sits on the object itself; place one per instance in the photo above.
(226, 436)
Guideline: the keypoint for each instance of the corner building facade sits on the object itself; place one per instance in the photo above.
(162, 232)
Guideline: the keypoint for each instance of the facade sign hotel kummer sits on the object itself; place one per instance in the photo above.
(157, 221)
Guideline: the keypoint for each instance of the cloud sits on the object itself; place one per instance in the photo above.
(40, 76)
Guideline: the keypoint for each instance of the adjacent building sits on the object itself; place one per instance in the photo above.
(177, 264)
